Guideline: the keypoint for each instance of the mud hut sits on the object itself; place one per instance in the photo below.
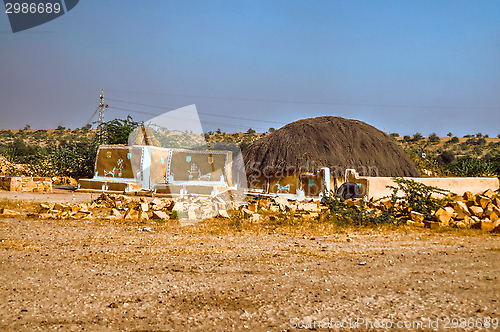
(291, 158)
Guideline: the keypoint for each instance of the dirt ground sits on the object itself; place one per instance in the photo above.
(148, 276)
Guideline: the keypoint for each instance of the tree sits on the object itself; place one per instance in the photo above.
(60, 128)
(394, 135)
(218, 131)
(498, 136)
(406, 138)
(271, 130)
(434, 138)
(449, 134)
(445, 158)
(479, 135)
(86, 128)
(250, 131)
(417, 137)
(27, 127)
(118, 130)
(454, 139)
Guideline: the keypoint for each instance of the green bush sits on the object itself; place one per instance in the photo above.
(445, 158)
(75, 159)
(471, 167)
(416, 197)
(117, 131)
(417, 137)
(434, 138)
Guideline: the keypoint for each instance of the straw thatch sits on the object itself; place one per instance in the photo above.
(329, 141)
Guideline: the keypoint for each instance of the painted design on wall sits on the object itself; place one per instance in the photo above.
(283, 189)
(193, 171)
(252, 180)
(119, 168)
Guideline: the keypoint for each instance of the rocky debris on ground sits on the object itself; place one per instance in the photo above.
(122, 207)
(462, 211)
(257, 207)
(469, 210)
(9, 213)
(190, 207)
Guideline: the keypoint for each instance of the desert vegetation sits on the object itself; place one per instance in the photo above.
(71, 152)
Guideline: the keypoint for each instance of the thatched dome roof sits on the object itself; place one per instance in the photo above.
(329, 141)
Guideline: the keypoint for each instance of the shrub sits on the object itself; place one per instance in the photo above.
(471, 141)
(117, 131)
(478, 150)
(445, 158)
(434, 138)
(74, 158)
(471, 167)
(493, 145)
(464, 146)
(416, 197)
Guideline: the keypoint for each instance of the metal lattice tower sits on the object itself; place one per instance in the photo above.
(102, 108)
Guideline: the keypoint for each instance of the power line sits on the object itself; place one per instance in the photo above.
(211, 114)
(184, 119)
(308, 102)
(90, 119)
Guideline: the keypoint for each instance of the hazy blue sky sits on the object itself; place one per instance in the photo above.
(401, 66)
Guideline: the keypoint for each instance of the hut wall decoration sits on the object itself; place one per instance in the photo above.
(164, 170)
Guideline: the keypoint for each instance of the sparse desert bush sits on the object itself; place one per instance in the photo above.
(434, 138)
(416, 197)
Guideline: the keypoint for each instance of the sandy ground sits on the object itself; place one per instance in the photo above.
(60, 194)
(119, 276)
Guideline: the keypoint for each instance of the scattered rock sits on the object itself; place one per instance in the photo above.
(417, 216)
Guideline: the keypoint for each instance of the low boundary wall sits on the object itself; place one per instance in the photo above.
(376, 187)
